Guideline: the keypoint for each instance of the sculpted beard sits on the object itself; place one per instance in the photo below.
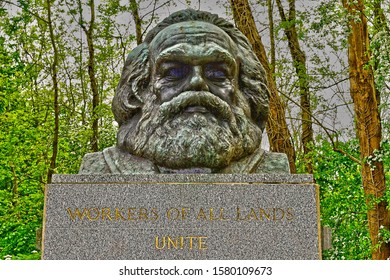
(174, 138)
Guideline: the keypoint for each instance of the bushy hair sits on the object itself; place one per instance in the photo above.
(135, 77)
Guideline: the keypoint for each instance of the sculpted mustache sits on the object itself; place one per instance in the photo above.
(197, 98)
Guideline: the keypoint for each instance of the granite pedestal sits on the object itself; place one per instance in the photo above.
(197, 216)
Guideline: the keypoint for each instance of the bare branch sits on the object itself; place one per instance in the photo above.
(153, 13)
(26, 10)
(154, 9)
(326, 129)
(334, 84)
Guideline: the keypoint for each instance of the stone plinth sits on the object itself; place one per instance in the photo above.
(197, 216)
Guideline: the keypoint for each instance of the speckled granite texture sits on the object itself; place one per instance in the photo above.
(253, 216)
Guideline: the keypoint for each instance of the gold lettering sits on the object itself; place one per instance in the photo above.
(157, 243)
(190, 238)
(211, 211)
(184, 212)
(155, 214)
(172, 242)
(221, 216)
(173, 212)
(97, 213)
(130, 214)
(76, 213)
(152, 214)
(267, 215)
(252, 215)
(212, 215)
(180, 242)
(202, 243)
(143, 214)
(289, 214)
(275, 216)
(201, 215)
(118, 214)
(106, 212)
(238, 215)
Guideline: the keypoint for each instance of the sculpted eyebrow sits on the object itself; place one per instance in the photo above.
(181, 55)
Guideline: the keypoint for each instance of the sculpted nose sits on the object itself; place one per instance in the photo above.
(197, 82)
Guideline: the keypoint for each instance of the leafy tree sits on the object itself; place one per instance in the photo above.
(21, 168)
(368, 125)
(32, 101)
(289, 23)
(278, 133)
(342, 201)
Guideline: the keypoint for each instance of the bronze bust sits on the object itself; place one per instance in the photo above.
(192, 98)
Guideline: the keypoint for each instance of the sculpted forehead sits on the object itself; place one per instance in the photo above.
(192, 33)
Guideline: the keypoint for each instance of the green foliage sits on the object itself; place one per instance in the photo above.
(21, 167)
(342, 200)
(27, 114)
(384, 234)
(385, 151)
(19, 223)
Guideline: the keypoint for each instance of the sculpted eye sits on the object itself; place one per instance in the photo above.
(177, 72)
(215, 72)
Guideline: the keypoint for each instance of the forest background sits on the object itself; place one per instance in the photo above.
(327, 64)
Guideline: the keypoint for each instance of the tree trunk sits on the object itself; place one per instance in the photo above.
(380, 20)
(137, 21)
(380, 25)
(81, 71)
(299, 62)
(92, 79)
(54, 75)
(278, 133)
(368, 125)
(271, 36)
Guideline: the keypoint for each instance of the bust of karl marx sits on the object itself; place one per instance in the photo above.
(192, 98)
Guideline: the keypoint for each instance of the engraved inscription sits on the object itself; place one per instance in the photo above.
(115, 214)
(252, 214)
(180, 242)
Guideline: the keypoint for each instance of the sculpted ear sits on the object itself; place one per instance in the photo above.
(253, 83)
(134, 79)
(257, 94)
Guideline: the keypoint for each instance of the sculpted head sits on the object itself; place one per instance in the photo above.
(193, 94)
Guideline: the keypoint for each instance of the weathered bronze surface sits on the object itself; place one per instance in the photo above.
(192, 99)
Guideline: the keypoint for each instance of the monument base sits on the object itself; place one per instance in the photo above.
(177, 216)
